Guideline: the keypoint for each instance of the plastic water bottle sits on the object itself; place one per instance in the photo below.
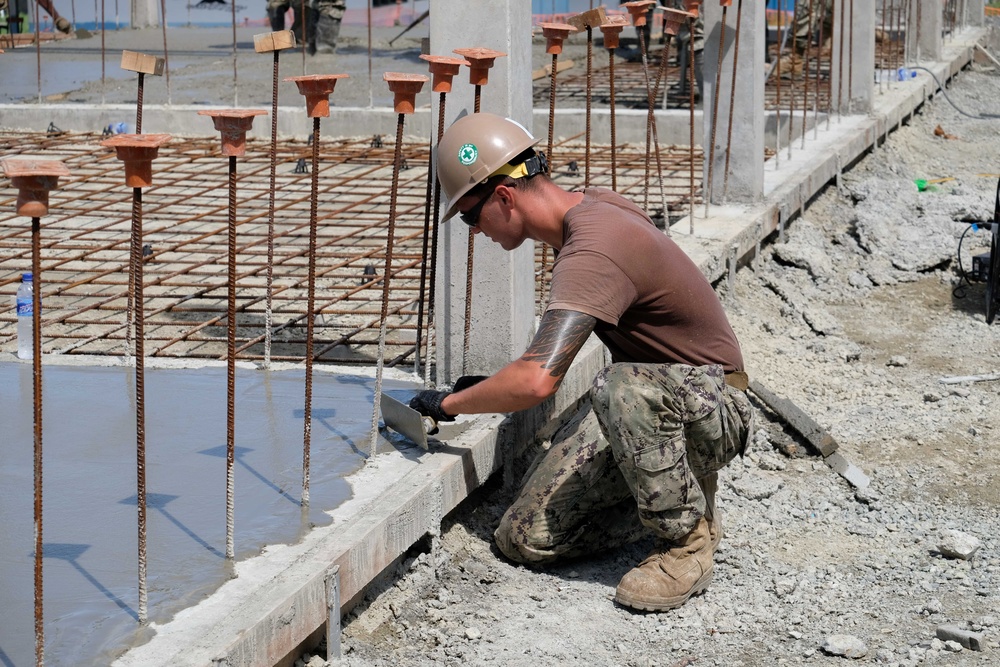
(25, 322)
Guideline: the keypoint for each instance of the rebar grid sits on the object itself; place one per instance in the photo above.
(85, 244)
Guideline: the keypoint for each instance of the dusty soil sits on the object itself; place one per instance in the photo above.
(856, 314)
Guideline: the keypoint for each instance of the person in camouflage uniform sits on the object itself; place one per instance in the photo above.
(322, 21)
(809, 14)
(667, 413)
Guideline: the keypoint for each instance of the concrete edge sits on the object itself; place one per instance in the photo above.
(278, 599)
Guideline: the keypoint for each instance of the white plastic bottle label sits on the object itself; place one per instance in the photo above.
(24, 308)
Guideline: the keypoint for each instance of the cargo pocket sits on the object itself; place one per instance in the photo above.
(661, 475)
(706, 441)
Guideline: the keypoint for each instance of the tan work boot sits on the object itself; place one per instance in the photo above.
(709, 485)
(670, 575)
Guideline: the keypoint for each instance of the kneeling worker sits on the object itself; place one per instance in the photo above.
(672, 407)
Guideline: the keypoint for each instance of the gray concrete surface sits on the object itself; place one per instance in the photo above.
(90, 520)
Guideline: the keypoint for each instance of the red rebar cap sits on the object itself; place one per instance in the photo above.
(673, 19)
(554, 34)
(137, 151)
(444, 69)
(612, 30)
(480, 62)
(404, 87)
(725, 3)
(33, 180)
(692, 6)
(317, 89)
(638, 10)
(233, 124)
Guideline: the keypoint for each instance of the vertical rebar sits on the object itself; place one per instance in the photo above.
(236, 87)
(542, 281)
(777, 75)
(805, 77)
(273, 155)
(652, 138)
(691, 85)
(880, 68)
(840, 62)
(310, 312)
(36, 357)
(791, 90)
(614, 142)
(590, 71)
(470, 257)
(819, 69)
(38, 52)
(136, 270)
(138, 104)
(302, 37)
(166, 52)
(434, 232)
(715, 111)
(732, 100)
(103, 80)
(850, 61)
(425, 241)
(231, 365)
(397, 159)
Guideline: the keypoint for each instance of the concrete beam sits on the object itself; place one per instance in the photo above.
(145, 14)
(924, 28)
(975, 13)
(853, 82)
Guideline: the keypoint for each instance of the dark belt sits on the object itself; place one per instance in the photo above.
(738, 380)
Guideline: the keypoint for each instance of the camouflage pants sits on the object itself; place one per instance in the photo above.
(808, 15)
(654, 430)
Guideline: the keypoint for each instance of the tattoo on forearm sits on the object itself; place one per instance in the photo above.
(560, 336)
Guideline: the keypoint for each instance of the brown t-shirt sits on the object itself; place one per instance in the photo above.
(652, 303)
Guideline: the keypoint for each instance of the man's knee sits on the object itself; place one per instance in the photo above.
(520, 540)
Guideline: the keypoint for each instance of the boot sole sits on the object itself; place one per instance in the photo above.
(665, 604)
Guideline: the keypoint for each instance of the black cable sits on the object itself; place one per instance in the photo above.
(989, 116)
(959, 291)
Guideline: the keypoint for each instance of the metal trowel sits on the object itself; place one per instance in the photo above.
(406, 421)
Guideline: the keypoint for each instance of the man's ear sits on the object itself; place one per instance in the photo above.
(505, 194)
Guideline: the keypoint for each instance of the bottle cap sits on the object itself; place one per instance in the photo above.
(26, 277)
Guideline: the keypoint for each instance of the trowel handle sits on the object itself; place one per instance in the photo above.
(430, 426)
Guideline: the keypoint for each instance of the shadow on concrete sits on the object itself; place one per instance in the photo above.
(158, 501)
(70, 553)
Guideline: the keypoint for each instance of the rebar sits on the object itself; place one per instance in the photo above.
(777, 75)
(236, 88)
(166, 51)
(38, 51)
(310, 311)
(136, 271)
(542, 279)
(434, 234)
(805, 78)
(840, 63)
(590, 74)
(231, 366)
(36, 357)
(732, 100)
(469, 260)
(715, 110)
(850, 62)
(103, 80)
(614, 139)
(691, 85)
(272, 176)
(386, 275)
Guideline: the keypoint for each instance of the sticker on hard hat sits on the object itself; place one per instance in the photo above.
(467, 154)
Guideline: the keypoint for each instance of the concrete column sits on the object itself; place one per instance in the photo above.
(923, 30)
(145, 13)
(503, 297)
(975, 13)
(853, 77)
(746, 159)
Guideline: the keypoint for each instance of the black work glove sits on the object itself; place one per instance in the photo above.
(428, 403)
(467, 381)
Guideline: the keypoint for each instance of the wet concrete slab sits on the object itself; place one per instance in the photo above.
(90, 515)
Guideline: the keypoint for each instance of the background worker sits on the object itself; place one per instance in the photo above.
(322, 21)
(668, 413)
(13, 10)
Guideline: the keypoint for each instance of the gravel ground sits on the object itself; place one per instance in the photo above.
(855, 317)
